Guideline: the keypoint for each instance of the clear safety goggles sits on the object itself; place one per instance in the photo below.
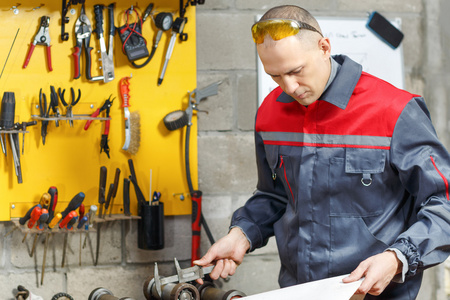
(278, 29)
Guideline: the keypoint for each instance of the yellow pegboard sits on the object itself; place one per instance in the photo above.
(71, 158)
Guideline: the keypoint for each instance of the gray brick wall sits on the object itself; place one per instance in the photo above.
(227, 171)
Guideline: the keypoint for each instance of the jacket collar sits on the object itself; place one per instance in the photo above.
(341, 88)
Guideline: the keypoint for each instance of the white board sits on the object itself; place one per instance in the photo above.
(352, 38)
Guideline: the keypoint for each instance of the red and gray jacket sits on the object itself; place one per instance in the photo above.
(357, 172)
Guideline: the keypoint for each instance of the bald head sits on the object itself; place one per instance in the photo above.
(308, 37)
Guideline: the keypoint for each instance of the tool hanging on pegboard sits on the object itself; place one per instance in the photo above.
(64, 18)
(176, 120)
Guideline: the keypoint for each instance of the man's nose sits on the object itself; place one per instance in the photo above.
(290, 85)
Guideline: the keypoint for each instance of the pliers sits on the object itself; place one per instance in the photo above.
(54, 103)
(41, 38)
(104, 147)
(83, 31)
(44, 114)
(71, 104)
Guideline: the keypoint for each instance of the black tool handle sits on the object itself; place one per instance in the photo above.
(27, 216)
(8, 110)
(88, 59)
(139, 195)
(102, 185)
(98, 11)
(73, 204)
(116, 182)
(147, 12)
(108, 198)
(53, 191)
(112, 28)
(126, 197)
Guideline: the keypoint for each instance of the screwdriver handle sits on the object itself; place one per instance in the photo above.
(55, 220)
(91, 216)
(71, 222)
(45, 200)
(73, 204)
(126, 197)
(35, 214)
(27, 216)
(72, 214)
(53, 191)
(81, 210)
(42, 219)
(82, 221)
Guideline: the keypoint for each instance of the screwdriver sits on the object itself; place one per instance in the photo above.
(40, 226)
(73, 204)
(52, 224)
(53, 191)
(114, 193)
(83, 220)
(64, 223)
(90, 222)
(34, 216)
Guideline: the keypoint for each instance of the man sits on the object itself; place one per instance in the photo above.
(351, 175)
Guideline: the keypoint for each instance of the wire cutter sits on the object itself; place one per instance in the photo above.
(71, 104)
(83, 31)
(41, 38)
(104, 141)
(44, 114)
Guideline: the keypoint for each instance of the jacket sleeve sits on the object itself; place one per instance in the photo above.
(265, 207)
(423, 164)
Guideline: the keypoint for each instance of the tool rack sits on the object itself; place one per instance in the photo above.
(71, 158)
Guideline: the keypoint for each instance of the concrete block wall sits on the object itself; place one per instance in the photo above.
(227, 170)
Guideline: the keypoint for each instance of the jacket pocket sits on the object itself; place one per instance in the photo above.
(351, 243)
(356, 183)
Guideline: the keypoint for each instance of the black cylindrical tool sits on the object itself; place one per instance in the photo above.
(8, 110)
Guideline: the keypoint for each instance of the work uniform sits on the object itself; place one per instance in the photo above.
(357, 172)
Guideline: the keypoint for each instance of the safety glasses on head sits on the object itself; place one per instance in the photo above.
(278, 29)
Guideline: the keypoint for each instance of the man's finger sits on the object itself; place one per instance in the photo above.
(215, 273)
(357, 274)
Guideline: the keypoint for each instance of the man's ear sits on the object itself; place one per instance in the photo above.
(325, 46)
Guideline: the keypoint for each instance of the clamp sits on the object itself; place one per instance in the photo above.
(41, 38)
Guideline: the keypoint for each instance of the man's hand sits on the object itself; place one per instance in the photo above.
(227, 253)
(378, 271)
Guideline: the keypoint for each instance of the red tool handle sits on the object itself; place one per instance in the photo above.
(125, 91)
(81, 210)
(196, 197)
(94, 115)
(107, 124)
(76, 54)
(49, 58)
(27, 60)
(35, 215)
(69, 217)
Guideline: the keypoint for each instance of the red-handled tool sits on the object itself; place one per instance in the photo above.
(41, 38)
(34, 217)
(68, 217)
(105, 107)
(196, 197)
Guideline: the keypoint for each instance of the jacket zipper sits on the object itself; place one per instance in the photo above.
(282, 165)
(443, 177)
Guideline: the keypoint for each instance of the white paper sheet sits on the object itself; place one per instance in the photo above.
(330, 288)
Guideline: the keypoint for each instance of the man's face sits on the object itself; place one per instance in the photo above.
(301, 70)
